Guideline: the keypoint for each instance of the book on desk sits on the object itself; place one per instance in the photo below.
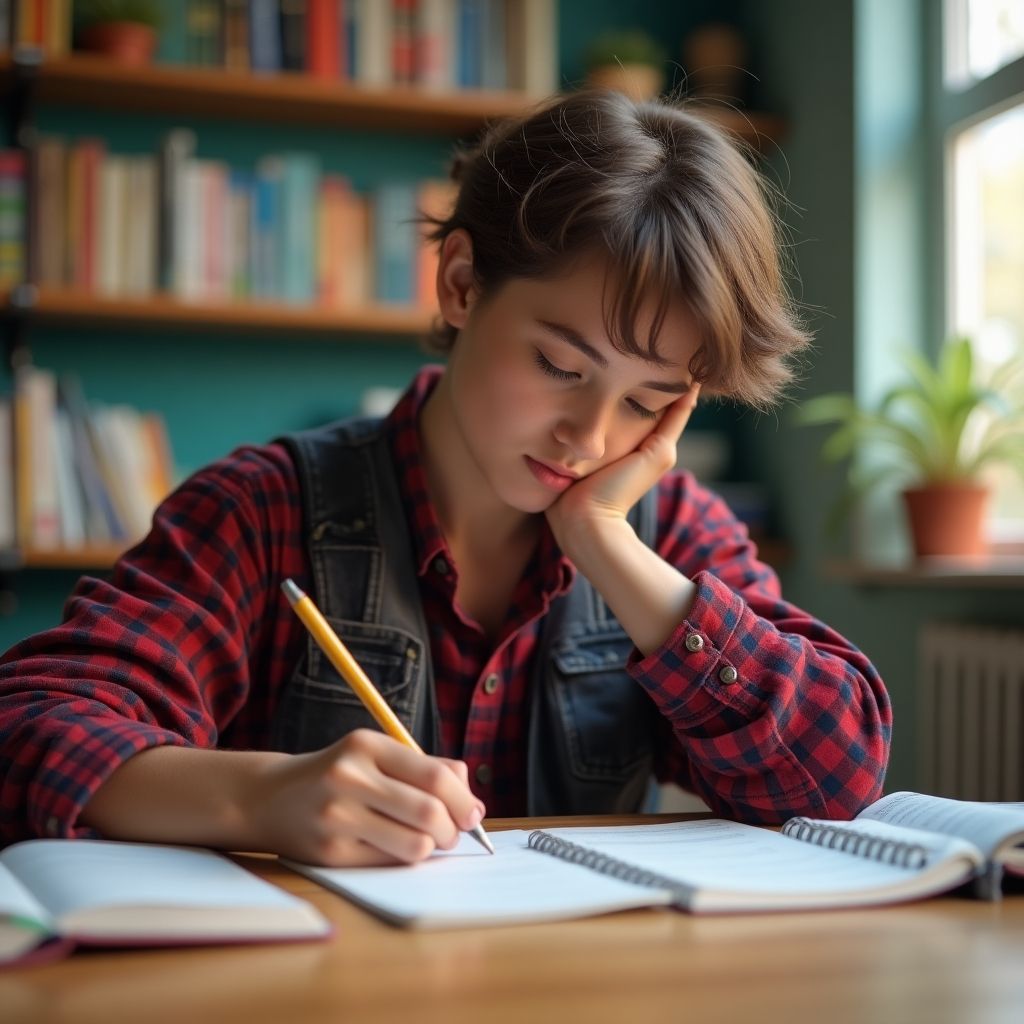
(903, 847)
(56, 894)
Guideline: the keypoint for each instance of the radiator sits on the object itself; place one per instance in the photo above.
(971, 712)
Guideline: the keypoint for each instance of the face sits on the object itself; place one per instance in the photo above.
(541, 397)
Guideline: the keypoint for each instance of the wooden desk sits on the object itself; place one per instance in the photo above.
(943, 960)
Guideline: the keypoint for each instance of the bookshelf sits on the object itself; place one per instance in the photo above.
(52, 306)
(84, 81)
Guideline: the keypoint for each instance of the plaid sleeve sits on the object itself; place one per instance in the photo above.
(773, 713)
(159, 654)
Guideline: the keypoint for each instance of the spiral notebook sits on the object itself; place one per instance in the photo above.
(709, 866)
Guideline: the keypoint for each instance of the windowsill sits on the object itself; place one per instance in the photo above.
(991, 571)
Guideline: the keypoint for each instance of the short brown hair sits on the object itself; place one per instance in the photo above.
(674, 202)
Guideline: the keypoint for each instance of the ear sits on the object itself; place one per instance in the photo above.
(456, 285)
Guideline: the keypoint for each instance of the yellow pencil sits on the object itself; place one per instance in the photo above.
(350, 670)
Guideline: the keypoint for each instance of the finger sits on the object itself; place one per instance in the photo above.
(395, 777)
(678, 414)
(460, 768)
(366, 837)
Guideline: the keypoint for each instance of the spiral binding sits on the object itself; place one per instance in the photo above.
(889, 851)
(620, 869)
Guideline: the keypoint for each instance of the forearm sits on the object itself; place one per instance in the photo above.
(173, 794)
(649, 597)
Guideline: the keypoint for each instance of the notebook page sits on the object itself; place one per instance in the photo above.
(71, 875)
(16, 901)
(986, 825)
(462, 887)
(728, 857)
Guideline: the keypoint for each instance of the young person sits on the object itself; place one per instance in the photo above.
(556, 613)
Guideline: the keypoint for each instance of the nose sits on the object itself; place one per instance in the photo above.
(583, 429)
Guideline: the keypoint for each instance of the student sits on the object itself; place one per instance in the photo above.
(555, 612)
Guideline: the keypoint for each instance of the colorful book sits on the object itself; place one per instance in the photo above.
(264, 36)
(299, 189)
(395, 242)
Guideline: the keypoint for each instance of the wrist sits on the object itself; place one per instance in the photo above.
(592, 541)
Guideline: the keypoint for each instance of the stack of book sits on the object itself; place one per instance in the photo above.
(200, 230)
(44, 24)
(437, 44)
(80, 474)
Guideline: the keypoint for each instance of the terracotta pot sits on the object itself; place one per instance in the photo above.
(947, 519)
(127, 42)
(638, 81)
(714, 57)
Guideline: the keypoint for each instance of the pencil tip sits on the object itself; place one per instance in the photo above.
(480, 836)
(291, 591)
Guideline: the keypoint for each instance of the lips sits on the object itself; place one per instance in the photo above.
(555, 479)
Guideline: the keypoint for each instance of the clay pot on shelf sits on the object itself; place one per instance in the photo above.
(127, 42)
(947, 519)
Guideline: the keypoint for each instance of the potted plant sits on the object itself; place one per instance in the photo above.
(629, 60)
(123, 30)
(938, 431)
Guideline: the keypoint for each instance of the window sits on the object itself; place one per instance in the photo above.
(982, 113)
(981, 37)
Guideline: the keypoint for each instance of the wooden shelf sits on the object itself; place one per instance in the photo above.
(83, 309)
(89, 81)
(993, 572)
(95, 556)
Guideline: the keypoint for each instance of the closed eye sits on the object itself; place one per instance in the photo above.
(641, 410)
(551, 370)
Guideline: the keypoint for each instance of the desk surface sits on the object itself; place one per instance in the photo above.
(942, 960)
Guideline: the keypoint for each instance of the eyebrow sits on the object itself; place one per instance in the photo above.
(574, 338)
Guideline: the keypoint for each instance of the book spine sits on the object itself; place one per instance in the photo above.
(8, 530)
(13, 213)
(323, 38)
(301, 185)
(374, 42)
(175, 151)
(293, 35)
(437, 200)
(203, 42)
(172, 47)
(264, 36)
(236, 35)
(395, 242)
(493, 72)
(435, 31)
(51, 217)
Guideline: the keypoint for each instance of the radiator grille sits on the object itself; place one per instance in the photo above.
(971, 712)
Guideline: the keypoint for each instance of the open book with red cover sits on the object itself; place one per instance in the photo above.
(56, 894)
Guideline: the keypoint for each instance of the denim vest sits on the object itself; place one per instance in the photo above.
(591, 729)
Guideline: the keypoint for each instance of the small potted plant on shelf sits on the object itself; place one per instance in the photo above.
(629, 61)
(938, 431)
(123, 30)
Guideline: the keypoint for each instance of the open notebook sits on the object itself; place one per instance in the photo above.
(709, 866)
(56, 894)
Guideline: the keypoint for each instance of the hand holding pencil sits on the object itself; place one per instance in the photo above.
(352, 673)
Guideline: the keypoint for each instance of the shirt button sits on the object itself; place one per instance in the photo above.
(484, 774)
(491, 684)
(728, 675)
(695, 642)
(440, 566)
